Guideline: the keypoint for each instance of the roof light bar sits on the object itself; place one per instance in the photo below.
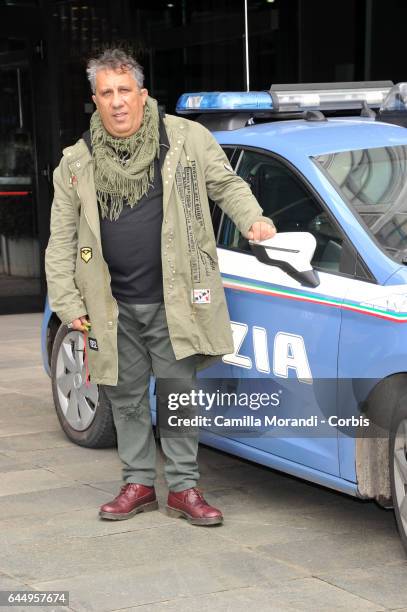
(215, 101)
(288, 99)
(328, 96)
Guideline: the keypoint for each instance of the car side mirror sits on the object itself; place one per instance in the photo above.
(290, 251)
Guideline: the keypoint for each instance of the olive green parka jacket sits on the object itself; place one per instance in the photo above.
(78, 277)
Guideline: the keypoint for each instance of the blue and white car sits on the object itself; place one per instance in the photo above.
(320, 311)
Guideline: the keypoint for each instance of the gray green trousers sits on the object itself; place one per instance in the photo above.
(144, 348)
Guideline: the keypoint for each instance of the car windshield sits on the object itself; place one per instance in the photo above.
(374, 184)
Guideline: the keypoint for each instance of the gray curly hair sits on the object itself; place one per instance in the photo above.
(114, 59)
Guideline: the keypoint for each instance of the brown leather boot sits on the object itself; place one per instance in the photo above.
(133, 498)
(191, 504)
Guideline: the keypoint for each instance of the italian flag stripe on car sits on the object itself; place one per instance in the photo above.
(252, 286)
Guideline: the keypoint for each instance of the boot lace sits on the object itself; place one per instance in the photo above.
(125, 486)
(198, 493)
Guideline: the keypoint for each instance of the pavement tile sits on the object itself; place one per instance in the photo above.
(20, 349)
(32, 424)
(8, 583)
(276, 531)
(279, 496)
(21, 328)
(17, 405)
(364, 518)
(237, 497)
(233, 600)
(385, 585)
(73, 463)
(8, 464)
(313, 595)
(250, 528)
(28, 372)
(84, 523)
(179, 574)
(332, 553)
(109, 487)
(307, 594)
(42, 439)
(146, 549)
(74, 524)
(32, 381)
(50, 501)
(64, 455)
(28, 338)
(97, 470)
(13, 483)
(24, 333)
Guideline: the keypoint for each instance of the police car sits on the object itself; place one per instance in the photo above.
(319, 312)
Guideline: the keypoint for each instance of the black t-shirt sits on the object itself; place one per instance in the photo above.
(131, 245)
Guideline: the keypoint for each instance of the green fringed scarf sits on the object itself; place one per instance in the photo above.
(124, 167)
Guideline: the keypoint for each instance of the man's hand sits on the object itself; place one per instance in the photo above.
(81, 324)
(261, 231)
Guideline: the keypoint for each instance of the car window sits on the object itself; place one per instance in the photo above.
(286, 200)
(372, 183)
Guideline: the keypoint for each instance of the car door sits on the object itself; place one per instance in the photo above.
(284, 332)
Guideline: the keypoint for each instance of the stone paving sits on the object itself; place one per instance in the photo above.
(285, 545)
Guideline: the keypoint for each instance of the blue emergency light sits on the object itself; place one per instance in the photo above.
(236, 101)
(289, 98)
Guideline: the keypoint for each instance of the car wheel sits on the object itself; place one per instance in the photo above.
(398, 471)
(83, 410)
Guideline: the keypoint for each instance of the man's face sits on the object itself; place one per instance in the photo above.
(120, 102)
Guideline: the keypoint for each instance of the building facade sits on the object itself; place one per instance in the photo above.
(184, 45)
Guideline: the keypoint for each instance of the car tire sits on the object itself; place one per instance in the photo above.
(83, 410)
(398, 469)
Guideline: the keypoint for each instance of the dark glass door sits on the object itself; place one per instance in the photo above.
(19, 244)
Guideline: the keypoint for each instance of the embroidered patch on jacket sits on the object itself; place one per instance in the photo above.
(201, 296)
(86, 254)
(93, 344)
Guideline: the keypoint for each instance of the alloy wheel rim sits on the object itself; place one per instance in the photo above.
(77, 400)
(400, 471)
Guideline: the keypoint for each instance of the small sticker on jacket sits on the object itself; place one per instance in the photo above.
(93, 344)
(201, 296)
(86, 254)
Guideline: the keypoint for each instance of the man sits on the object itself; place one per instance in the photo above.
(132, 252)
